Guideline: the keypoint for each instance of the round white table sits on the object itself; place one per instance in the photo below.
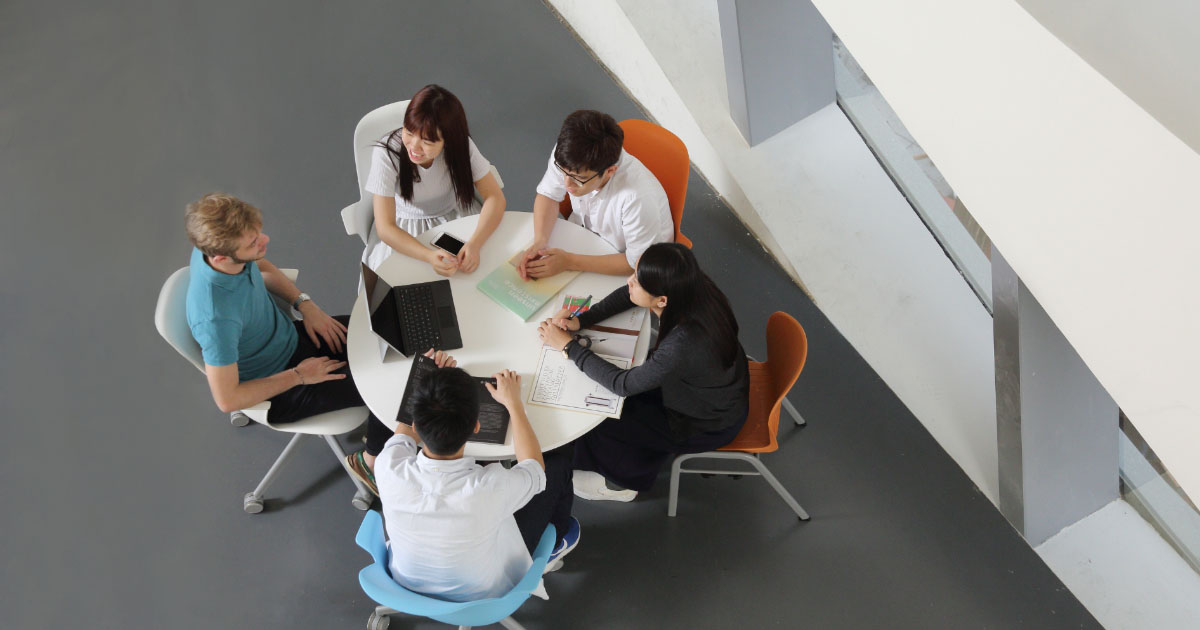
(494, 338)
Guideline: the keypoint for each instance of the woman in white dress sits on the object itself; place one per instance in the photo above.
(426, 173)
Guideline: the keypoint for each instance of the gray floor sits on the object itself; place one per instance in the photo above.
(122, 483)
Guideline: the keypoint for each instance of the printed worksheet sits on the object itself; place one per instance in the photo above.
(558, 383)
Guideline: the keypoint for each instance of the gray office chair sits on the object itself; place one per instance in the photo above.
(170, 317)
(359, 217)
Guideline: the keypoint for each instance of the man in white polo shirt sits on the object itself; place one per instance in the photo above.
(611, 192)
(458, 530)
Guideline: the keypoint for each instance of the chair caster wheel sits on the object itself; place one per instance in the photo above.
(361, 503)
(239, 419)
(251, 504)
(378, 622)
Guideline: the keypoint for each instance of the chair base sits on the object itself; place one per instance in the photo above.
(379, 620)
(252, 503)
(787, 406)
(750, 458)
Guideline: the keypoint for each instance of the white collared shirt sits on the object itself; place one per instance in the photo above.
(630, 212)
(450, 523)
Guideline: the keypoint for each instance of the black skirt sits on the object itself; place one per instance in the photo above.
(631, 451)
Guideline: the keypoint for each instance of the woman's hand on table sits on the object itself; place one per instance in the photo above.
(563, 320)
(443, 264)
(468, 257)
(554, 336)
(442, 359)
(507, 390)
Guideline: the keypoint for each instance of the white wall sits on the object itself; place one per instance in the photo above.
(1091, 199)
(1147, 48)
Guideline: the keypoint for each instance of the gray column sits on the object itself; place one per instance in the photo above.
(778, 63)
(1056, 425)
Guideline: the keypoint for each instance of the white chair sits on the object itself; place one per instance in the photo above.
(170, 317)
(359, 217)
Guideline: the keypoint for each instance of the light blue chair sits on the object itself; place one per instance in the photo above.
(378, 584)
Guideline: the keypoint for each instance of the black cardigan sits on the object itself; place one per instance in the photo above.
(700, 394)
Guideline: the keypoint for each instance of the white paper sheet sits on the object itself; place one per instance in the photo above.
(558, 383)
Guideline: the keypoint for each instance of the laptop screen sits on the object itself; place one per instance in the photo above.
(381, 304)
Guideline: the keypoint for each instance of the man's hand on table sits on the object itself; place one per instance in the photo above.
(507, 390)
(442, 359)
(548, 262)
(530, 255)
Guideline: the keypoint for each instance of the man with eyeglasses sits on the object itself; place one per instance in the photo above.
(611, 192)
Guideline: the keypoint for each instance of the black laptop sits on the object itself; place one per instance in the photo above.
(493, 417)
(414, 317)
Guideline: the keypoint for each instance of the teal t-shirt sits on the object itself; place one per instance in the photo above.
(234, 320)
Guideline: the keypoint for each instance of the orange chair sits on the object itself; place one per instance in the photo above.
(666, 156)
(787, 348)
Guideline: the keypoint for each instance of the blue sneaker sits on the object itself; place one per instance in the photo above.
(565, 546)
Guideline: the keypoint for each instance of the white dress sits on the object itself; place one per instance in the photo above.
(433, 201)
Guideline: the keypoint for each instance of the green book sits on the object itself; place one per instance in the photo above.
(523, 297)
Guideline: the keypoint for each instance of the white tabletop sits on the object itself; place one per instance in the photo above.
(493, 337)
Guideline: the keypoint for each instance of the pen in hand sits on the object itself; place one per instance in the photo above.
(579, 307)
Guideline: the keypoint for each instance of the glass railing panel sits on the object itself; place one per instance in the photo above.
(914, 173)
(1151, 490)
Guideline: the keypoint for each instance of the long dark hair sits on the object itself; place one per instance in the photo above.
(434, 112)
(693, 300)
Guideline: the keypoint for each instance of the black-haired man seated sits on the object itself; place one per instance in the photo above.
(612, 194)
(458, 530)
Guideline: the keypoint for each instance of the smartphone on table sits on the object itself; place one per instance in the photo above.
(448, 243)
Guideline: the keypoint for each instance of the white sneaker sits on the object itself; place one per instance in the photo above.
(591, 486)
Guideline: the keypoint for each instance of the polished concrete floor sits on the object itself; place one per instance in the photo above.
(122, 483)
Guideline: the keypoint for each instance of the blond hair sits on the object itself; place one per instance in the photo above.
(217, 222)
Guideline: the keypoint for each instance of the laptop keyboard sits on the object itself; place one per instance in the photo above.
(421, 328)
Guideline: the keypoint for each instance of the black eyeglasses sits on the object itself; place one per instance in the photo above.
(581, 182)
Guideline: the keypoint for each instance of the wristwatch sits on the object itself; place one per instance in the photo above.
(300, 299)
(583, 340)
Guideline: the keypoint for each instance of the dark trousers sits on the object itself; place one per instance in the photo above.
(631, 451)
(303, 401)
(552, 505)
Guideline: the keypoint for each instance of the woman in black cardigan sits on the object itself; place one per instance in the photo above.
(691, 394)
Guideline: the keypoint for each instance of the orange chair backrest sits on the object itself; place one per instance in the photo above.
(770, 381)
(666, 156)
